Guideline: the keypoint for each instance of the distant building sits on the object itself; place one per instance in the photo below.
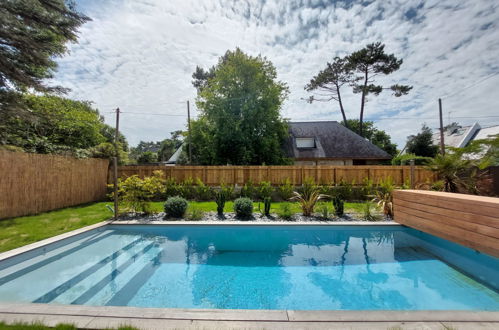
(460, 136)
(330, 143)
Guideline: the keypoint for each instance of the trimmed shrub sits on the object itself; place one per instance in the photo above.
(243, 207)
(339, 206)
(267, 202)
(175, 207)
(220, 197)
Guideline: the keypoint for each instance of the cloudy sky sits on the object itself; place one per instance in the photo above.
(139, 55)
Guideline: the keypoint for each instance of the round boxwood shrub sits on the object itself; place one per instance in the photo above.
(243, 207)
(175, 207)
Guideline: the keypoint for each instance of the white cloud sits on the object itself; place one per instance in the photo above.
(140, 54)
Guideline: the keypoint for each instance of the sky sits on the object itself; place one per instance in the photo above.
(139, 55)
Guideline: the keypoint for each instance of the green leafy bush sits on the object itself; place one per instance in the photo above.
(265, 190)
(172, 188)
(285, 211)
(187, 189)
(154, 186)
(339, 206)
(202, 191)
(248, 190)
(286, 189)
(135, 194)
(228, 190)
(406, 158)
(243, 207)
(343, 190)
(176, 206)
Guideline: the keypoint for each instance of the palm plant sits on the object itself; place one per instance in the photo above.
(384, 200)
(308, 197)
(383, 197)
(457, 172)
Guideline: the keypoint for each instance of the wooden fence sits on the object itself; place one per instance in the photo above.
(469, 220)
(33, 183)
(214, 175)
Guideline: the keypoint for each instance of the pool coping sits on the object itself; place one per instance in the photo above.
(88, 316)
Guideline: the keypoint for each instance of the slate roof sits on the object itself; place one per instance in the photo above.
(333, 141)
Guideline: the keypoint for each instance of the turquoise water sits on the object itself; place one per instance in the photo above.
(278, 267)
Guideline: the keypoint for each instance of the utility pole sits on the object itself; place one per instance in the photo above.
(115, 163)
(189, 131)
(442, 144)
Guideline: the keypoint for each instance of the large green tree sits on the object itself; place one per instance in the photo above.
(61, 125)
(376, 136)
(32, 34)
(327, 84)
(421, 144)
(162, 149)
(359, 70)
(240, 101)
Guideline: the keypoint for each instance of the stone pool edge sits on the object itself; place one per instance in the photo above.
(106, 316)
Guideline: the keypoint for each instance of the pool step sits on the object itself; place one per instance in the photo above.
(106, 288)
(89, 272)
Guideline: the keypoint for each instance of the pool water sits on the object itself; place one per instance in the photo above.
(256, 267)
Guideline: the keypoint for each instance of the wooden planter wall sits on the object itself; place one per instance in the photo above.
(472, 221)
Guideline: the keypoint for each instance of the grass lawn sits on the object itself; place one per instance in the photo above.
(21, 231)
(40, 326)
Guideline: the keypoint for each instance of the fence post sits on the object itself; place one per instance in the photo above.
(411, 162)
(115, 170)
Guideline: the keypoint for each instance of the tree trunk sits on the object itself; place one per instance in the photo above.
(341, 107)
(362, 102)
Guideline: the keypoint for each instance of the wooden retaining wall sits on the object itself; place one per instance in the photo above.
(469, 220)
(34, 183)
(214, 175)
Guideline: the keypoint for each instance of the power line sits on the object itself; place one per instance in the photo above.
(429, 118)
(472, 85)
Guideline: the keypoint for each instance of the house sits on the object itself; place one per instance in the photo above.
(460, 136)
(330, 143)
(176, 155)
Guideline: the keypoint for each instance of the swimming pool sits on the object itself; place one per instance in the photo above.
(255, 267)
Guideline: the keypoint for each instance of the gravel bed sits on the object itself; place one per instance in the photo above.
(230, 216)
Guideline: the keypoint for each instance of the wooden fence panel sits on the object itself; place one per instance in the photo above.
(323, 174)
(469, 220)
(34, 183)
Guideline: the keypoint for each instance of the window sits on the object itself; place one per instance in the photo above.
(305, 142)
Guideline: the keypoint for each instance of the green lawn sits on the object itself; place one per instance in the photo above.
(40, 326)
(20, 231)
